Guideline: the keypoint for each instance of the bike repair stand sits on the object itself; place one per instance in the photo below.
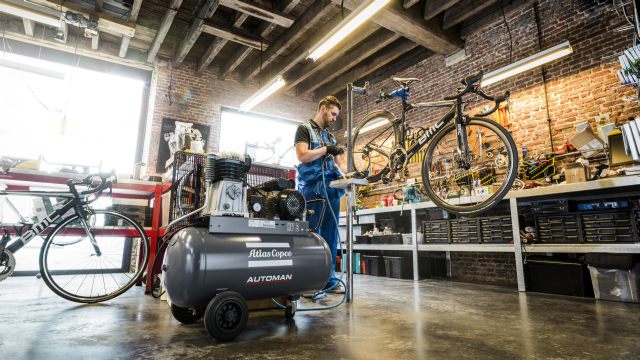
(349, 183)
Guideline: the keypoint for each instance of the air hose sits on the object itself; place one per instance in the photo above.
(321, 293)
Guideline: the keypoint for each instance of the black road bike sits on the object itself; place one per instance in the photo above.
(88, 255)
(469, 165)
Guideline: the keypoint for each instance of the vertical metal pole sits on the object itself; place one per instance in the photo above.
(515, 225)
(414, 238)
(350, 195)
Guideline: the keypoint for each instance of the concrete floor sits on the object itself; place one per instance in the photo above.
(390, 319)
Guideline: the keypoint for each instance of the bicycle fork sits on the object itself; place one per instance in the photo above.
(462, 141)
(92, 237)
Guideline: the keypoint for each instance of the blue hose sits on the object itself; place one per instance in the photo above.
(321, 293)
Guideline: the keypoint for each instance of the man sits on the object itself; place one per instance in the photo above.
(319, 153)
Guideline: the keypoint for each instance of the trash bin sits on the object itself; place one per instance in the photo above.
(615, 277)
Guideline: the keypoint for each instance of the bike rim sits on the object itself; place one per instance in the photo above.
(77, 273)
(462, 191)
(382, 136)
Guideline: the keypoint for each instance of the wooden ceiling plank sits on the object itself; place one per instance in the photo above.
(410, 24)
(260, 11)
(409, 3)
(239, 37)
(435, 7)
(195, 29)
(106, 22)
(365, 67)
(241, 53)
(216, 45)
(98, 5)
(463, 10)
(133, 17)
(314, 13)
(165, 24)
(491, 15)
(359, 53)
(311, 67)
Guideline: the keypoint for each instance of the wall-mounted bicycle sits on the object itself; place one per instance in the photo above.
(90, 255)
(457, 174)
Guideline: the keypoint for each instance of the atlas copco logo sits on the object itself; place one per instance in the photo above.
(268, 279)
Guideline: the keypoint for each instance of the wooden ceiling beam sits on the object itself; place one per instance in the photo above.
(241, 53)
(435, 7)
(409, 3)
(165, 24)
(216, 45)
(133, 17)
(464, 10)
(98, 5)
(359, 53)
(236, 36)
(410, 24)
(260, 11)
(314, 13)
(292, 79)
(491, 15)
(195, 29)
(365, 67)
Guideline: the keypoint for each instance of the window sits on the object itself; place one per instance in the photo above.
(102, 114)
(267, 140)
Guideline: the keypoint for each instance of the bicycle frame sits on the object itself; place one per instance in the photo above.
(38, 228)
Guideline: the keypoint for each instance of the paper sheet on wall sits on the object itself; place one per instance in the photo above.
(630, 143)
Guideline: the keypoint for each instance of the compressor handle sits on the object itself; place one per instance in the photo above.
(324, 208)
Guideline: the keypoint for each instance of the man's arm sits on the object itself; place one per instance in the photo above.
(342, 166)
(306, 156)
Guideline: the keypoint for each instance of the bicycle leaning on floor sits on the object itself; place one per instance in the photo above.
(459, 171)
(87, 255)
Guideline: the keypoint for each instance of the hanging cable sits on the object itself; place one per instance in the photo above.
(544, 80)
(510, 39)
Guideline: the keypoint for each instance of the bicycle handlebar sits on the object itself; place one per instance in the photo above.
(497, 99)
(88, 181)
(467, 82)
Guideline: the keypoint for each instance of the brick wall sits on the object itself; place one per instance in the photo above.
(489, 267)
(198, 99)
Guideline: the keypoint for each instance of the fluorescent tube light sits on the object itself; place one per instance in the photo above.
(29, 14)
(263, 93)
(528, 63)
(346, 26)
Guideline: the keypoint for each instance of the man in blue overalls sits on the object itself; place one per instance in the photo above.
(318, 152)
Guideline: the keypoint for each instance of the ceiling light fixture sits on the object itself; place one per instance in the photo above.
(525, 64)
(273, 85)
(346, 26)
(29, 14)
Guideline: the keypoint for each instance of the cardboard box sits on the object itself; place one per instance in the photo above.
(576, 173)
(587, 139)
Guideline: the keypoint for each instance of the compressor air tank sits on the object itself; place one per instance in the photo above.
(257, 258)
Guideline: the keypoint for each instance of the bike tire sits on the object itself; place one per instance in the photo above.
(48, 277)
(493, 200)
(379, 114)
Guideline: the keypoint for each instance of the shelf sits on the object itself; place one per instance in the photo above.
(379, 247)
(583, 248)
(467, 247)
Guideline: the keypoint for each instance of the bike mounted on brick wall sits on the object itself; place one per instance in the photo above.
(88, 255)
(459, 172)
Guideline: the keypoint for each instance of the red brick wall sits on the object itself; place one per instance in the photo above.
(489, 267)
(198, 99)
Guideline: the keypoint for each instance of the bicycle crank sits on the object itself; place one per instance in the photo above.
(7, 264)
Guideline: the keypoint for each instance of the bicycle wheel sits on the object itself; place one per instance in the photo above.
(476, 186)
(374, 139)
(72, 268)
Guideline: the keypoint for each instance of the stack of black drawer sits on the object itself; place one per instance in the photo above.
(552, 206)
(558, 228)
(465, 231)
(606, 227)
(496, 229)
(435, 231)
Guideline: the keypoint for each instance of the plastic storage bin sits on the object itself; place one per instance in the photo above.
(557, 276)
(374, 265)
(398, 267)
(616, 284)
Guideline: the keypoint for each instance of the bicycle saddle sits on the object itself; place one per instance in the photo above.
(404, 82)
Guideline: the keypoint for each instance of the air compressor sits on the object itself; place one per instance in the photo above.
(243, 247)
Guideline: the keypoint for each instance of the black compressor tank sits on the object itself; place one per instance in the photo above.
(257, 258)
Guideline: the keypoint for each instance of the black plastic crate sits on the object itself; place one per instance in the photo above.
(609, 231)
(374, 265)
(557, 276)
(362, 239)
(395, 239)
(398, 267)
(379, 239)
(609, 238)
(606, 223)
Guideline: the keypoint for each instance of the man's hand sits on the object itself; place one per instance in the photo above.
(335, 150)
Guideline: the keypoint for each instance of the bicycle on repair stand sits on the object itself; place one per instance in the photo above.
(88, 255)
(459, 172)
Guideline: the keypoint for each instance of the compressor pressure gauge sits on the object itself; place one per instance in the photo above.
(257, 207)
(234, 192)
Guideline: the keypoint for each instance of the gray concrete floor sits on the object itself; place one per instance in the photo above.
(390, 319)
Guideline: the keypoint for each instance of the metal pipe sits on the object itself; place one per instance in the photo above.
(350, 195)
(206, 203)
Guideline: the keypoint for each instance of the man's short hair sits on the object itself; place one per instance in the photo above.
(329, 102)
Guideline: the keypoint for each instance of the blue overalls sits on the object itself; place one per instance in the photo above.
(311, 185)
